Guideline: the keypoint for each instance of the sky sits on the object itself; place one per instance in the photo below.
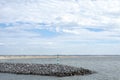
(67, 27)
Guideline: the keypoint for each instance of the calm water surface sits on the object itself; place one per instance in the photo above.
(107, 68)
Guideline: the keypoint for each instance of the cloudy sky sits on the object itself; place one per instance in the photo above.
(41, 27)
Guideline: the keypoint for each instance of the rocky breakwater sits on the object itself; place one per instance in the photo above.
(43, 69)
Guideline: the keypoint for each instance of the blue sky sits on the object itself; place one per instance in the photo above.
(48, 27)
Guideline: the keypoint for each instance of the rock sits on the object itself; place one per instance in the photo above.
(43, 69)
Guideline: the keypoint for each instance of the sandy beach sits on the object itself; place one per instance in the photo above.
(30, 57)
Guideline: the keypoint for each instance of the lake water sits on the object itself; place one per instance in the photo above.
(107, 68)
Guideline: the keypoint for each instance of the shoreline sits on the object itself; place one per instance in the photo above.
(2, 57)
(32, 57)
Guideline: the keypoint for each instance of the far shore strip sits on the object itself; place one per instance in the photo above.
(31, 57)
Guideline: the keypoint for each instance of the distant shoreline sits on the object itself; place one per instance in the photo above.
(48, 56)
(31, 57)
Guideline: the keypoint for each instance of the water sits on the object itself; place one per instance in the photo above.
(107, 68)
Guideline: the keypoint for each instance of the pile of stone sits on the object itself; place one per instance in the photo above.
(43, 69)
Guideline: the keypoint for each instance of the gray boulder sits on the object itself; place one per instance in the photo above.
(43, 69)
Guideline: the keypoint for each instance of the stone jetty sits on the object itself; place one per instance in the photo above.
(58, 70)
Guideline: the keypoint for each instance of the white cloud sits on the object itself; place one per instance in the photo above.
(76, 32)
(85, 12)
(2, 44)
(69, 18)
